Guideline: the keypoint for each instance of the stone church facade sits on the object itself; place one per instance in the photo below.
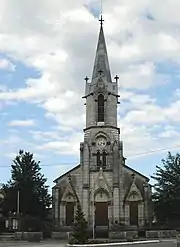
(110, 192)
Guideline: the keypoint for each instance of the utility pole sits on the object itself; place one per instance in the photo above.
(2, 196)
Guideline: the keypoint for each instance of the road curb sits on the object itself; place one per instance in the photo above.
(114, 244)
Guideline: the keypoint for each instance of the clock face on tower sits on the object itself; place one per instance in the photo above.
(101, 142)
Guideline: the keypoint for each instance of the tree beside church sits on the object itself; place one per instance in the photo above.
(26, 192)
(110, 192)
(166, 196)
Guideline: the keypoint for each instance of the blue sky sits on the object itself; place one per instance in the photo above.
(44, 58)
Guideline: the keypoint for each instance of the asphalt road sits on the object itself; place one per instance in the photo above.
(169, 243)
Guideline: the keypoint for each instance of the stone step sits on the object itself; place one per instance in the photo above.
(6, 236)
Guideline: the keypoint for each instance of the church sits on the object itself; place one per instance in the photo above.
(110, 192)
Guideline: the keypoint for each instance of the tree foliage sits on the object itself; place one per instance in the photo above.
(26, 178)
(80, 226)
(167, 190)
(79, 235)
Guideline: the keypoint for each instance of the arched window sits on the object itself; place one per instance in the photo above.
(100, 108)
(104, 159)
(98, 159)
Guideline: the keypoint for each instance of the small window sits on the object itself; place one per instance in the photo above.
(104, 159)
(98, 159)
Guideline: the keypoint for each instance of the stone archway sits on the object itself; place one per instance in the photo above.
(133, 211)
(134, 201)
(101, 208)
(70, 209)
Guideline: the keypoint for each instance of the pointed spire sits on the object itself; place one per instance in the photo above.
(101, 60)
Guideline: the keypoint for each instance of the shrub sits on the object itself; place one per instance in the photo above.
(34, 236)
(79, 234)
(31, 224)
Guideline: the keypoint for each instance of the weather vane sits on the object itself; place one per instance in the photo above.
(101, 7)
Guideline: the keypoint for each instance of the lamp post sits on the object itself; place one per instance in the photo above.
(2, 196)
(18, 207)
(18, 198)
(18, 202)
(93, 208)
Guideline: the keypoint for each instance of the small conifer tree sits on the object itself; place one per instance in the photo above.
(80, 227)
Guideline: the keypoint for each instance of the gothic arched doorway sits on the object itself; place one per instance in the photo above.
(133, 210)
(70, 204)
(101, 209)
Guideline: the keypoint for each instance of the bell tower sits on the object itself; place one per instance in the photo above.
(102, 148)
(101, 92)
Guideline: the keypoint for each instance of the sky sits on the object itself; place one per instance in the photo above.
(48, 47)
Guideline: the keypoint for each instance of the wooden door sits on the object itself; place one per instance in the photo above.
(134, 213)
(101, 214)
(69, 213)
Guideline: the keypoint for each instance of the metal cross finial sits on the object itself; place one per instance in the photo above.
(116, 78)
(101, 20)
(133, 176)
(69, 177)
(86, 79)
(100, 71)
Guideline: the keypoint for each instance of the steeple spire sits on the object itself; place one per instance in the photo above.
(101, 59)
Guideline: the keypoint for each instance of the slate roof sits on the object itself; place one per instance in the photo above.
(78, 166)
(101, 59)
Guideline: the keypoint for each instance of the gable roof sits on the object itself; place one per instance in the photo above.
(140, 174)
(133, 188)
(78, 166)
(66, 173)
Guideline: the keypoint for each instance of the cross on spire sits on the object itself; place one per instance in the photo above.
(86, 79)
(101, 59)
(100, 71)
(101, 21)
(133, 176)
(116, 78)
(69, 177)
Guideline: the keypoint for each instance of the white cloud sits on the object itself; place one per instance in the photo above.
(173, 111)
(11, 155)
(11, 145)
(143, 75)
(59, 40)
(170, 132)
(149, 115)
(22, 123)
(68, 145)
(6, 65)
(64, 59)
(177, 93)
